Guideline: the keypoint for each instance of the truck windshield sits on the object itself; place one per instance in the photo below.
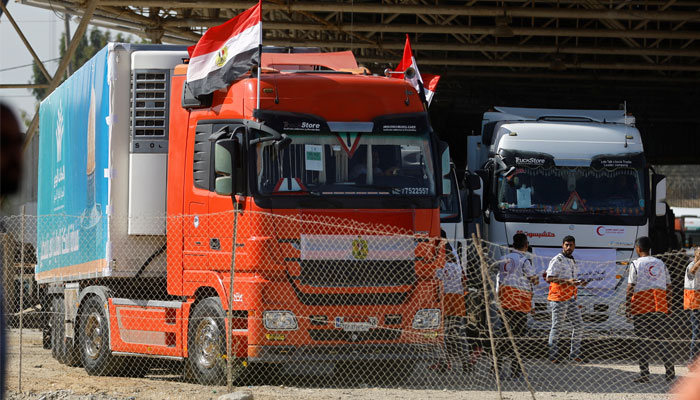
(571, 191)
(353, 164)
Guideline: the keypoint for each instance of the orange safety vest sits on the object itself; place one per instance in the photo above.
(649, 275)
(691, 299)
(691, 291)
(515, 299)
(562, 291)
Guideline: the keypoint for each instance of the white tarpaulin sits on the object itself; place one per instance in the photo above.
(596, 265)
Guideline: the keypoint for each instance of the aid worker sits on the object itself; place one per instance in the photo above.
(646, 303)
(691, 302)
(562, 275)
(514, 281)
(454, 309)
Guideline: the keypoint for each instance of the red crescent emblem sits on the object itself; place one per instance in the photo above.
(598, 230)
(651, 268)
(507, 266)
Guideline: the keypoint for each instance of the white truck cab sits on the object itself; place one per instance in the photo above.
(552, 173)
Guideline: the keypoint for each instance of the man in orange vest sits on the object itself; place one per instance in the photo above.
(646, 302)
(691, 302)
(562, 275)
(516, 275)
(454, 309)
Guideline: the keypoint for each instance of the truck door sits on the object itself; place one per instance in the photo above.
(196, 218)
(221, 206)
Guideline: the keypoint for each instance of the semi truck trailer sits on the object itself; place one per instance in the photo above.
(327, 193)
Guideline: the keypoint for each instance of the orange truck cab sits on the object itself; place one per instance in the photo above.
(321, 198)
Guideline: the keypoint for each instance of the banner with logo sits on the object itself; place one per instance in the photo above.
(596, 265)
(357, 247)
(73, 157)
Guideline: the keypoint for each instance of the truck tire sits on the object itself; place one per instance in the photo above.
(93, 336)
(206, 342)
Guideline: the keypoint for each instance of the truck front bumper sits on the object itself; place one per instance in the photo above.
(346, 352)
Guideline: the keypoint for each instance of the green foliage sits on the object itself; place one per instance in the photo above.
(91, 43)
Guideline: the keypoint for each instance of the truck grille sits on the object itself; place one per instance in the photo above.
(342, 273)
(350, 299)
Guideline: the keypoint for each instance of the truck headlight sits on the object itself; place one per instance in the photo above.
(428, 318)
(279, 320)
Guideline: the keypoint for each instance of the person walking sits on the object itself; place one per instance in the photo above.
(562, 275)
(691, 303)
(646, 302)
(514, 281)
(454, 309)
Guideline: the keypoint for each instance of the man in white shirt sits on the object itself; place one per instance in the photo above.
(562, 275)
(647, 287)
(516, 275)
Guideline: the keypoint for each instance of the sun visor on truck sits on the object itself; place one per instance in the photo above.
(526, 158)
(401, 123)
(627, 160)
(291, 122)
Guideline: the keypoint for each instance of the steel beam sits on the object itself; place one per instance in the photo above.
(543, 64)
(53, 84)
(497, 48)
(25, 41)
(440, 29)
(23, 86)
(366, 8)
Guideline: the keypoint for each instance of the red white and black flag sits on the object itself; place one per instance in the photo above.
(423, 83)
(225, 52)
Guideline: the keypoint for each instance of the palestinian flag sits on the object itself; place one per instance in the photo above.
(225, 52)
(424, 84)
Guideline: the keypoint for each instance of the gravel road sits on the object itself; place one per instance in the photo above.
(43, 378)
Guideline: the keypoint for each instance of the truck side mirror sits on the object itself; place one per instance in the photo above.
(224, 160)
(445, 169)
(472, 181)
(659, 185)
(485, 181)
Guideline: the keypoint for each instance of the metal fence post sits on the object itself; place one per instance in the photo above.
(229, 313)
(479, 250)
(21, 299)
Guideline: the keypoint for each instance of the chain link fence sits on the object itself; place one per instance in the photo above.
(322, 302)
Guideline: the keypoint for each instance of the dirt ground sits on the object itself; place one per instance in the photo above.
(43, 378)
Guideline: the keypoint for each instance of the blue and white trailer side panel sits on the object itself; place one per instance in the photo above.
(73, 192)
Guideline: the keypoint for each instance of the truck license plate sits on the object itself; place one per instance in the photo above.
(356, 326)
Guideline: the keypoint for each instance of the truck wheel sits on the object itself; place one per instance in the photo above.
(93, 334)
(206, 340)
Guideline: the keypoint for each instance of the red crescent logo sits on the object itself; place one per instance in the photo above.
(651, 268)
(598, 229)
(507, 266)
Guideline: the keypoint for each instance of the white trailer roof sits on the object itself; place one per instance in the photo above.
(534, 114)
(569, 140)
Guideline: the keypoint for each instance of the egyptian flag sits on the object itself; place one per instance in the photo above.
(225, 52)
(418, 81)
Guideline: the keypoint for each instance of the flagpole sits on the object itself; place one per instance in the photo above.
(259, 68)
(260, 54)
